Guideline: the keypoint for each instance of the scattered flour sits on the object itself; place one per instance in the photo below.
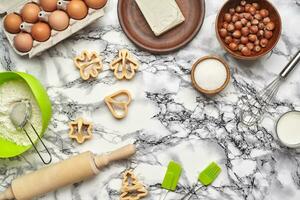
(10, 92)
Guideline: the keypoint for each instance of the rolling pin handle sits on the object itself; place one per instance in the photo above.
(120, 154)
(7, 194)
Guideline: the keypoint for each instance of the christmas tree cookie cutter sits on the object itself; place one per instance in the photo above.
(125, 66)
(132, 189)
(89, 64)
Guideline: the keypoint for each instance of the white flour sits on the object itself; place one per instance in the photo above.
(10, 92)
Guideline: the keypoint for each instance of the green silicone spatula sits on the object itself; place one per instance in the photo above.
(171, 177)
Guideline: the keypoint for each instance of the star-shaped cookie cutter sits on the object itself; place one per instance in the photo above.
(113, 103)
(80, 130)
(89, 64)
(132, 189)
(124, 66)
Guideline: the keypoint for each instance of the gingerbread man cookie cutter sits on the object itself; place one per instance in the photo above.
(89, 64)
(124, 66)
(132, 189)
(115, 103)
(80, 130)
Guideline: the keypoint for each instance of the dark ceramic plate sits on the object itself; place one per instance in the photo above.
(138, 31)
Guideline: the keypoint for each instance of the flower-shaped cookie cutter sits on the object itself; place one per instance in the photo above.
(115, 103)
(124, 66)
(89, 64)
(80, 130)
(132, 189)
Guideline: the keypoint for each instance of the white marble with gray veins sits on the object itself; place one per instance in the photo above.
(168, 119)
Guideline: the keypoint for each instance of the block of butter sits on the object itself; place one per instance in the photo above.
(161, 15)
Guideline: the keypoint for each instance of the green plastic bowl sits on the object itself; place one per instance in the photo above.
(9, 149)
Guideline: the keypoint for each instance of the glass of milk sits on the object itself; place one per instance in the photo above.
(288, 129)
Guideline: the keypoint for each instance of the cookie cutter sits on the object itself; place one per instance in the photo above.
(132, 189)
(124, 66)
(89, 64)
(112, 103)
(80, 130)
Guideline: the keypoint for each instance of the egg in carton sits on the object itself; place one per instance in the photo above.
(32, 26)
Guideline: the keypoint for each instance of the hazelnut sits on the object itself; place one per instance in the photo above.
(257, 48)
(230, 27)
(227, 17)
(225, 25)
(244, 21)
(261, 25)
(252, 37)
(253, 29)
(244, 40)
(236, 41)
(250, 45)
(252, 10)
(247, 7)
(256, 6)
(241, 16)
(238, 25)
(243, 3)
(263, 42)
(256, 42)
(240, 47)
(266, 20)
(248, 16)
(239, 9)
(233, 46)
(231, 11)
(248, 24)
(268, 34)
(258, 17)
(270, 26)
(255, 22)
(237, 34)
(235, 18)
(260, 33)
(228, 39)
(264, 13)
(223, 32)
(246, 52)
(245, 31)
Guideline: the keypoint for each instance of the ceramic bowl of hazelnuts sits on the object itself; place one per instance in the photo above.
(248, 29)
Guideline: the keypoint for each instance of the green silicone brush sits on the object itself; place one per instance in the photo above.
(206, 177)
(209, 174)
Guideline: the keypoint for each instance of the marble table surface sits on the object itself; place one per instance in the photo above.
(168, 119)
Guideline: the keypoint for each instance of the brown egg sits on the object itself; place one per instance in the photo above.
(30, 12)
(12, 23)
(77, 9)
(41, 31)
(23, 42)
(48, 5)
(95, 4)
(59, 20)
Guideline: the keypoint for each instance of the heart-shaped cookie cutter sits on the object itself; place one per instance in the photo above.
(89, 64)
(111, 100)
(124, 66)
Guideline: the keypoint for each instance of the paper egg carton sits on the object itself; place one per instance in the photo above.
(56, 36)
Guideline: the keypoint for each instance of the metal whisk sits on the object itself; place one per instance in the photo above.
(254, 109)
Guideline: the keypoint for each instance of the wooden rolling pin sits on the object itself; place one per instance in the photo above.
(70, 171)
